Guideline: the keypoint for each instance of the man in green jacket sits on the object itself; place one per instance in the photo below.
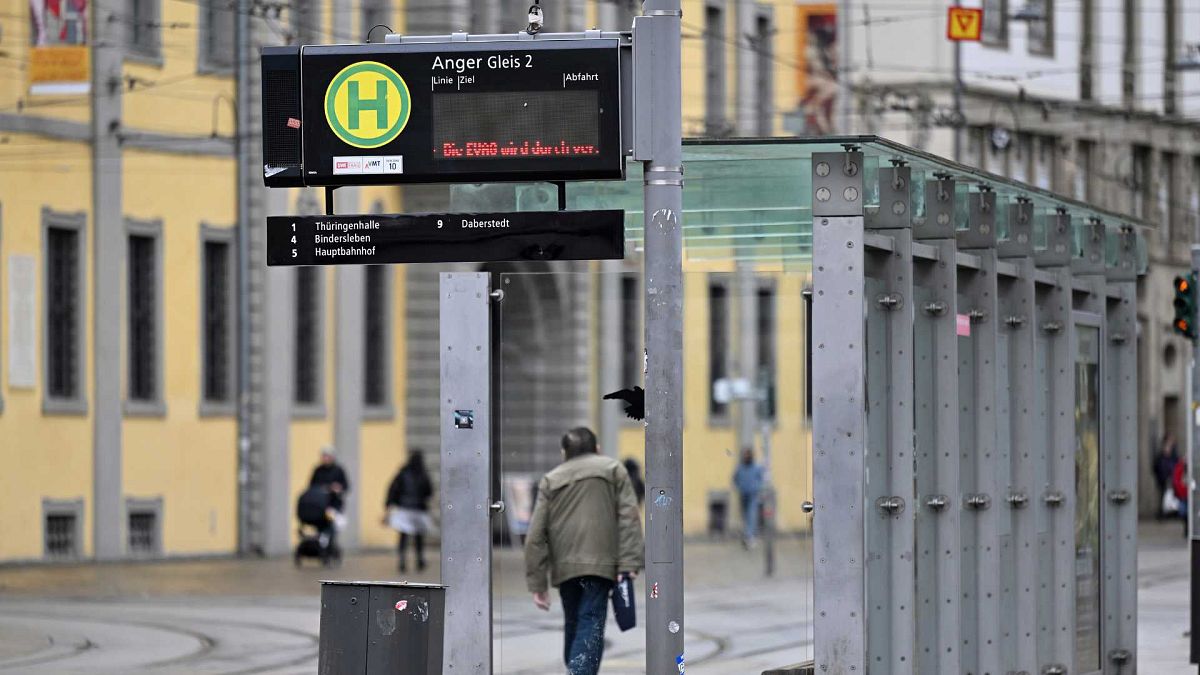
(585, 534)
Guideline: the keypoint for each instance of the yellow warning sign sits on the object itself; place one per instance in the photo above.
(964, 23)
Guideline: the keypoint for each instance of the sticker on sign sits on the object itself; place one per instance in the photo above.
(368, 165)
(347, 165)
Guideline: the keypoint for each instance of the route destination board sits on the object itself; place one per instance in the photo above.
(461, 112)
(445, 237)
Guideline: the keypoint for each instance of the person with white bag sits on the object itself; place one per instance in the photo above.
(407, 507)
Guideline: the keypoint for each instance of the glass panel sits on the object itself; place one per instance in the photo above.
(1087, 504)
(752, 201)
(563, 344)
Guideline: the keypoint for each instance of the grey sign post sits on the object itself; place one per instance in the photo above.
(466, 471)
(658, 143)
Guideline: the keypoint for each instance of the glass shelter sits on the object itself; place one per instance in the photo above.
(934, 366)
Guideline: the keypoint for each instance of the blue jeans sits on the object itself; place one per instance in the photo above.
(749, 515)
(585, 605)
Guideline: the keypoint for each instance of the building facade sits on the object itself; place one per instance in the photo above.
(163, 393)
(1091, 100)
(1095, 100)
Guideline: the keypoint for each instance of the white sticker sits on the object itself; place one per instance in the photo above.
(372, 165)
(393, 164)
(347, 165)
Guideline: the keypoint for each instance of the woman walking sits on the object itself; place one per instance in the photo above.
(408, 507)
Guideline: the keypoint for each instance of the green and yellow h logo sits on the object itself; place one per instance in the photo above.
(367, 122)
(377, 105)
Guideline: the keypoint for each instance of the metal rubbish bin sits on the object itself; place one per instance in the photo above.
(374, 627)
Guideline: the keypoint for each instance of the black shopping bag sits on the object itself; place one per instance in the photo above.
(624, 607)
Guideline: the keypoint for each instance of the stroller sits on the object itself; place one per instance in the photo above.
(318, 535)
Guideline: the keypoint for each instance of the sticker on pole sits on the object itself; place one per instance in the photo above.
(964, 24)
(679, 663)
(962, 325)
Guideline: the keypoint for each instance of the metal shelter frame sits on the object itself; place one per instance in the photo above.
(974, 435)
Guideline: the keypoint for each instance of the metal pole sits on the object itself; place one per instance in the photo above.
(845, 69)
(108, 255)
(657, 60)
(1194, 433)
(958, 94)
(747, 311)
(466, 470)
(242, 144)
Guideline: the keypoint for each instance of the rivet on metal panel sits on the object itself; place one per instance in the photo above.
(1054, 498)
(850, 194)
(807, 507)
(1119, 656)
(1018, 500)
(497, 295)
(978, 501)
(1052, 326)
(1054, 669)
(1014, 321)
(892, 506)
(1118, 496)
(935, 308)
(497, 507)
(977, 316)
(823, 194)
(1119, 338)
(890, 301)
(937, 502)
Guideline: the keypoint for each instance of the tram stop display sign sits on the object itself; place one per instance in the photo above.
(509, 110)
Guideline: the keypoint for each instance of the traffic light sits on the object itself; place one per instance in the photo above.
(1185, 306)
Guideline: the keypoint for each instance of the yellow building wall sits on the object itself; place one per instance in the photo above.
(382, 444)
(46, 456)
(188, 460)
(710, 447)
(692, 61)
(307, 436)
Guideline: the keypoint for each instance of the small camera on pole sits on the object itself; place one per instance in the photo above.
(535, 18)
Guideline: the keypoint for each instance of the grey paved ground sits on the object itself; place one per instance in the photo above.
(261, 616)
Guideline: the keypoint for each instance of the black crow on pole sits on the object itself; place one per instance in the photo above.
(635, 401)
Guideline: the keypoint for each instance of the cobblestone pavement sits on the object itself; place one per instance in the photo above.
(261, 616)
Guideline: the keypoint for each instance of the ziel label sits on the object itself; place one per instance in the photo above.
(367, 105)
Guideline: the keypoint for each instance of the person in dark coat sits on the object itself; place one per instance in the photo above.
(407, 507)
(331, 474)
(1179, 483)
(635, 476)
(1164, 469)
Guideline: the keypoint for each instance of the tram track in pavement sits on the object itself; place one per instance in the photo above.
(206, 643)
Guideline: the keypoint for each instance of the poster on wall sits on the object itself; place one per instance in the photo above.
(59, 58)
(816, 30)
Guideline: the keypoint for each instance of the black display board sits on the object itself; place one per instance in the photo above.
(510, 110)
(445, 237)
